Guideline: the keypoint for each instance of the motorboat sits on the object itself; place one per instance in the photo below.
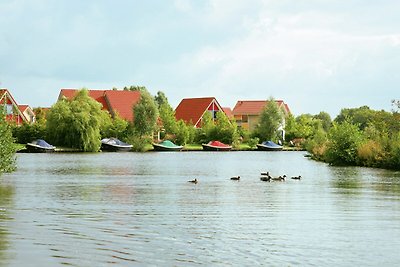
(216, 146)
(269, 146)
(39, 146)
(114, 144)
(166, 145)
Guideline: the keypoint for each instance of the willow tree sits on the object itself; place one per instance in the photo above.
(270, 121)
(76, 123)
(145, 115)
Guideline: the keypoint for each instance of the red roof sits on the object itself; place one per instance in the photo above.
(192, 109)
(114, 101)
(122, 102)
(228, 112)
(254, 107)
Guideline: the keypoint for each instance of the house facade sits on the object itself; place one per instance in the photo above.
(18, 114)
(247, 112)
(114, 101)
(192, 110)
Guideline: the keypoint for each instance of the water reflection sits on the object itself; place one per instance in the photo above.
(138, 209)
(347, 180)
(6, 201)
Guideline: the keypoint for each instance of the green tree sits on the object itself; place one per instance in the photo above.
(270, 121)
(114, 127)
(325, 119)
(7, 145)
(145, 115)
(76, 123)
(344, 140)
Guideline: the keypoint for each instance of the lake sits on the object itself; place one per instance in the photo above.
(137, 209)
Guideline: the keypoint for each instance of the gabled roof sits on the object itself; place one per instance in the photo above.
(114, 101)
(192, 109)
(254, 107)
(97, 95)
(7, 98)
(122, 102)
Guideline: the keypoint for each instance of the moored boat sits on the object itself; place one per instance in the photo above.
(114, 144)
(166, 145)
(216, 146)
(39, 146)
(269, 146)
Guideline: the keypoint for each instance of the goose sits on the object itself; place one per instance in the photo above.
(296, 177)
(280, 178)
(193, 181)
(236, 178)
(266, 179)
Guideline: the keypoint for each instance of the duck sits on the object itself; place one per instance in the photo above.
(236, 178)
(280, 178)
(266, 179)
(193, 181)
(296, 177)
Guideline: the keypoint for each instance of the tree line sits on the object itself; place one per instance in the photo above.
(357, 136)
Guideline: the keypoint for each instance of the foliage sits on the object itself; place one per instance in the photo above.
(270, 121)
(7, 146)
(114, 127)
(139, 143)
(182, 133)
(135, 88)
(76, 123)
(344, 140)
(145, 115)
(317, 144)
(167, 117)
(26, 132)
(221, 129)
(252, 142)
(325, 119)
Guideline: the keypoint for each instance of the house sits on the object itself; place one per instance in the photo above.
(15, 113)
(114, 101)
(192, 110)
(247, 112)
(228, 112)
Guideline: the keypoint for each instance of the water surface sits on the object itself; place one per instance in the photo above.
(138, 209)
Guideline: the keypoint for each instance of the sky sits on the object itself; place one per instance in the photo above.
(316, 55)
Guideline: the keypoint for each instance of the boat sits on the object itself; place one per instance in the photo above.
(216, 146)
(113, 144)
(39, 146)
(269, 146)
(166, 145)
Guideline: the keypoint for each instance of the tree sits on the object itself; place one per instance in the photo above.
(325, 119)
(270, 121)
(7, 146)
(344, 140)
(114, 127)
(145, 115)
(76, 123)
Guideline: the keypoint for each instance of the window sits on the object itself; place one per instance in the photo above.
(245, 118)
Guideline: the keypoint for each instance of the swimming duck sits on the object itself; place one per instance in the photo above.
(280, 178)
(236, 178)
(265, 179)
(193, 181)
(296, 177)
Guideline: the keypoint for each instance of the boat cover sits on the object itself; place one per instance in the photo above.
(114, 141)
(217, 143)
(168, 143)
(271, 144)
(42, 143)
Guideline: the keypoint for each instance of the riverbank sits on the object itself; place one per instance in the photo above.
(149, 148)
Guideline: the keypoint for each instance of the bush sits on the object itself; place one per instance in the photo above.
(7, 146)
(344, 140)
